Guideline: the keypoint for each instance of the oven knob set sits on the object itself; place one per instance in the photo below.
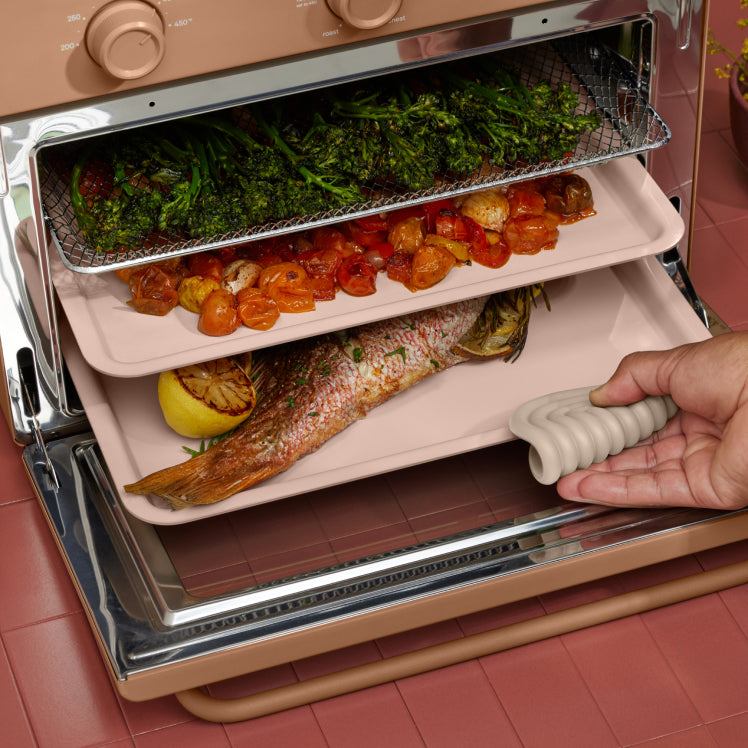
(126, 38)
(365, 14)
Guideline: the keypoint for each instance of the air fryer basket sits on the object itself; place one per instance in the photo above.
(603, 82)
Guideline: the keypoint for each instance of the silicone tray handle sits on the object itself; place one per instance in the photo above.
(566, 432)
(453, 652)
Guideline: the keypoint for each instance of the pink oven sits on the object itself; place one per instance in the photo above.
(426, 508)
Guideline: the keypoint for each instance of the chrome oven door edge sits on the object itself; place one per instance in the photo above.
(146, 619)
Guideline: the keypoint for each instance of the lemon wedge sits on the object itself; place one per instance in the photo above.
(207, 399)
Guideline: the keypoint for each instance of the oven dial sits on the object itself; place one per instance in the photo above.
(126, 38)
(365, 14)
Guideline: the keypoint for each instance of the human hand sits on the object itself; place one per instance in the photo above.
(700, 458)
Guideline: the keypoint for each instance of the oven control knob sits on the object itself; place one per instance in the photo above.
(365, 14)
(126, 38)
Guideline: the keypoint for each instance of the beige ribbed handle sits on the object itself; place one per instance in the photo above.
(566, 432)
(450, 653)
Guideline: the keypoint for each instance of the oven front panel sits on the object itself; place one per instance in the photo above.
(109, 46)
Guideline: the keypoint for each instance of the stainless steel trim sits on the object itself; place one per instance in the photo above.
(685, 20)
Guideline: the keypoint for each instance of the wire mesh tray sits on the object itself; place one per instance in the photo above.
(603, 82)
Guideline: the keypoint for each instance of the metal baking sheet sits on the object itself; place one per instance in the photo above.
(634, 219)
(596, 318)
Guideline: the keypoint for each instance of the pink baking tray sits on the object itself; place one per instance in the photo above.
(596, 318)
(634, 219)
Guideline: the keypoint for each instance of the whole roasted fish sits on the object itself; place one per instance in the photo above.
(311, 390)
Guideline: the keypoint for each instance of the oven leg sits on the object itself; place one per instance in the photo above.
(450, 653)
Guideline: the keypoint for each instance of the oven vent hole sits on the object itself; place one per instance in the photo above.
(29, 386)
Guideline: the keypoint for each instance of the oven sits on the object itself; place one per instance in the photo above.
(424, 510)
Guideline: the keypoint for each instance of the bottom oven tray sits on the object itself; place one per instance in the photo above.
(595, 318)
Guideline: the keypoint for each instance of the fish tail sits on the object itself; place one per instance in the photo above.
(178, 485)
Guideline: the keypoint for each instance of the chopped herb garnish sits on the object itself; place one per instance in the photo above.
(291, 402)
(435, 364)
(314, 413)
(444, 334)
(301, 381)
(204, 446)
(398, 351)
(357, 355)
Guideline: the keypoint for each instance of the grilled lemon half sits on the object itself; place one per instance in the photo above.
(204, 400)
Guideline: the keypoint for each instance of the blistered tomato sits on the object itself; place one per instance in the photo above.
(431, 264)
(287, 285)
(527, 235)
(357, 276)
(154, 291)
(256, 309)
(205, 265)
(218, 314)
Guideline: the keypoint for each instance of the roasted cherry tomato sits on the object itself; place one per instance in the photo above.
(492, 255)
(287, 285)
(124, 274)
(327, 237)
(357, 276)
(569, 195)
(154, 291)
(288, 273)
(293, 299)
(409, 211)
(363, 237)
(527, 235)
(431, 264)
(450, 225)
(256, 309)
(218, 314)
(323, 288)
(206, 265)
(320, 263)
(432, 210)
(399, 266)
(425, 211)
(373, 223)
(475, 233)
(407, 235)
(523, 202)
(286, 246)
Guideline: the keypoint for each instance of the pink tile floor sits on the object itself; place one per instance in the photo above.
(671, 678)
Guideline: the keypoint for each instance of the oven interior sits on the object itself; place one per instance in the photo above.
(367, 541)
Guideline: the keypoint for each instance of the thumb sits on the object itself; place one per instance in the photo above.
(638, 375)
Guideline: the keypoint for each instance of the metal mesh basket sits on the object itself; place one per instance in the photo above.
(602, 80)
